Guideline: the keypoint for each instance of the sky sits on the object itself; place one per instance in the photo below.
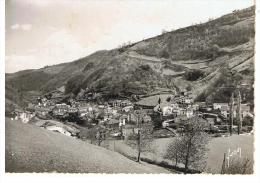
(49, 32)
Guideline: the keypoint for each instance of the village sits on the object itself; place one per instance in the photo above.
(119, 118)
(129, 87)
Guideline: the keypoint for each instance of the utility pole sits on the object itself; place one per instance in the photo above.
(139, 145)
(238, 115)
(114, 144)
(223, 165)
(231, 114)
(187, 157)
(138, 139)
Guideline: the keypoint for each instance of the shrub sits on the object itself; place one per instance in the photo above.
(145, 67)
(194, 75)
(164, 54)
(74, 84)
(244, 166)
(88, 66)
(248, 121)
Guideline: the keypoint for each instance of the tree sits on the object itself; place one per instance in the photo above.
(189, 88)
(248, 121)
(231, 114)
(191, 146)
(194, 74)
(173, 152)
(239, 117)
(142, 139)
(96, 135)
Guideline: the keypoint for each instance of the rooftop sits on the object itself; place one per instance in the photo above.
(153, 100)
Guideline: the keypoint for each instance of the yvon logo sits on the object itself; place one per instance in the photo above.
(234, 154)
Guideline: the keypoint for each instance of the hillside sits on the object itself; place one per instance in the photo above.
(205, 59)
(31, 149)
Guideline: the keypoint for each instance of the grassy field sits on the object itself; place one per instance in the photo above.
(32, 149)
(29, 148)
(221, 145)
(217, 148)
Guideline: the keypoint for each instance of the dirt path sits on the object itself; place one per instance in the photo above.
(146, 58)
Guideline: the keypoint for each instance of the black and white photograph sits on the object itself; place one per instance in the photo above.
(129, 87)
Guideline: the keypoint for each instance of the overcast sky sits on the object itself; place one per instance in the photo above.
(48, 32)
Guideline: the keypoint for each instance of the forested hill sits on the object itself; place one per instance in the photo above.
(209, 59)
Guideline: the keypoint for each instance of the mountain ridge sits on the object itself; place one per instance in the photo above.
(198, 58)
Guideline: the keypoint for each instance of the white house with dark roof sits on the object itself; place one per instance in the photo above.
(220, 106)
(225, 109)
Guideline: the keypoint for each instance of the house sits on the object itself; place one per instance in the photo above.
(60, 109)
(166, 108)
(220, 106)
(84, 110)
(202, 105)
(60, 127)
(125, 103)
(132, 118)
(114, 111)
(24, 116)
(119, 103)
(195, 107)
(167, 123)
(112, 123)
(146, 103)
(114, 103)
(140, 118)
(43, 111)
(122, 121)
(188, 112)
(245, 110)
(101, 106)
(183, 100)
(224, 110)
(74, 103)
(128, 108)
(211, 118)
(147, 118)
(72, 110)
(107, 117)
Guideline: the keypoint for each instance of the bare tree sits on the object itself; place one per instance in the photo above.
(191, 146)
(238, 113)
(96, 135)
(231, 114)
(142, 138)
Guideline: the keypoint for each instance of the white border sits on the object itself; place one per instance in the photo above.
(5, 177)
(2, 88)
